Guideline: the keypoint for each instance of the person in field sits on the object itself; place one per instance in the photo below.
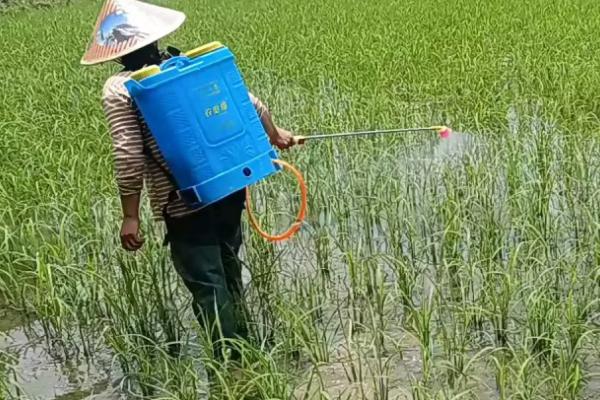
(204, 244)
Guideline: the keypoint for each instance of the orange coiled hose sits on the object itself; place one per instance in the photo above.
(301, 212)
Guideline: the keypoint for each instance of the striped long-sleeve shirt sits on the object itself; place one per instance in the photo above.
(129, 134)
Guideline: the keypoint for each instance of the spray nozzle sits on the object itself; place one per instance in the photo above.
(443, 131)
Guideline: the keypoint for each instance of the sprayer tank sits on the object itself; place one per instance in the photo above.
(198, 109)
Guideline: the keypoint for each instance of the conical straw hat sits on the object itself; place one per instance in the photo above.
(127, 25)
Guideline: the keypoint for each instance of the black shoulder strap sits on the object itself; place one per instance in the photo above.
(148, 153)
(173, 194)
(146, 150)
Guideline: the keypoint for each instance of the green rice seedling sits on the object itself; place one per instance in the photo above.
(8, 288)
(303, 323)
(569, 380)
(380, 368)
(323, 256)
(13, 5)
(419, 324)
(137, 315)
(529, 383)
(543, 322)
(263, 260)
(405, 281)
(570, 354)
(456, 340)
(356, 368)
(8, 388)
(379, 303)
(502, 372)
(356, 291)
(263, 264)
(353, 354)
(309, 391)
(499, 295)
(451, 215)
(256, 375)
(51, 307)
(8, 284)
(164, 289)
(152, 372)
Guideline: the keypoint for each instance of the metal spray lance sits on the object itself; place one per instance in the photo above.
(443, 131)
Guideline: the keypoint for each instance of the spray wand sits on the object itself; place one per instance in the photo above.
(443, 131)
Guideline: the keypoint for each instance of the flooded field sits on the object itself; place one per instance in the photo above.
(427, 268)
(364, 330)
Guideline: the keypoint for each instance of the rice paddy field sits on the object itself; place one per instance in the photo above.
(465, 268)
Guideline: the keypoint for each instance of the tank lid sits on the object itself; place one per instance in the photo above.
(145, 72)
(204, 49)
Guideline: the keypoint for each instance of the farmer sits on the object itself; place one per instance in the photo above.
(204, 244)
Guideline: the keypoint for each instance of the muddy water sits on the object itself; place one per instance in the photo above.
(41, 376)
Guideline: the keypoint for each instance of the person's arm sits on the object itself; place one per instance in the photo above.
(282, 138)
(129, 163)
(130, 227)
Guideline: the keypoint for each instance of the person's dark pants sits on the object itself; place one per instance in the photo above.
(204, 249)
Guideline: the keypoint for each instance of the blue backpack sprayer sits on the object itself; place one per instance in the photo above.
(198, 109)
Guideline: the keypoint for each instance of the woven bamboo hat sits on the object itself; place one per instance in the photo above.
(124, 26)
